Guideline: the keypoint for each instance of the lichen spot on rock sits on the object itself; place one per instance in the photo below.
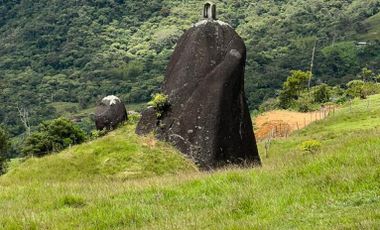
(235, 53)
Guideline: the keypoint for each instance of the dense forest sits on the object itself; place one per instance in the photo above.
(77, 52)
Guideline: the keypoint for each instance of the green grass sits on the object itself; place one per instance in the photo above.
(121, 154)
(374, 28)
(91, 186)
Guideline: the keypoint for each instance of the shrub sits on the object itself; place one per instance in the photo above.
(355, 88)
(269, 105)
(4, 146)
(305, 103)
(321, 93)
(134, 117)
(371, 88)
(311, 146)
(95, 134)
(160, 102)
(53, 136)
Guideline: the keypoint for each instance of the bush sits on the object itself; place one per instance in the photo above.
(53, 136)
(160, 102)
(95, 134)
(371, 88)
(311, 146)
(269, 105)
(305, 103)
(4, 146)
(134, 117)
(355, 88)
(321, 93)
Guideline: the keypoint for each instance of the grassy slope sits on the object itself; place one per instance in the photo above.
(374, 29)
(336, 188)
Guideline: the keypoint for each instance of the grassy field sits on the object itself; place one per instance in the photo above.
(125, 182)
(374, 28)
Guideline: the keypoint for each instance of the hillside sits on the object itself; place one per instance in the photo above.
(115, 183)
(373, 28)
(54, 52)
(121, 155)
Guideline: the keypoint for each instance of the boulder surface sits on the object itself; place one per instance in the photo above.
(110, 112)
(208, 118)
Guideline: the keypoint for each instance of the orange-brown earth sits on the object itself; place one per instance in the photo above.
(280, 123)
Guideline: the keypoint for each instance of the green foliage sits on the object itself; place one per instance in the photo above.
(367, 75)
(269, 105)
(321, 93)
(53, 136)
(356, 88)
(311, 146)
(134, 117)
(4, 143)
(305, 103)
(4, 147)
(160, 102)
(95, 134)
(80, 51)
(293, 87)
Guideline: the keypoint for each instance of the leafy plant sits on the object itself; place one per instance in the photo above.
(311, 146)
(160, 102)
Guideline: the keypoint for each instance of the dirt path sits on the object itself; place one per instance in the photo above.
(280, 123)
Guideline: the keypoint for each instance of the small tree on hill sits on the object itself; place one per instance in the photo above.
(293, 86)
(53, 136)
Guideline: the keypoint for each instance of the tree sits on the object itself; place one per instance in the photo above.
(293, 86)
(53, 136)
(4, 146)
(24, 117)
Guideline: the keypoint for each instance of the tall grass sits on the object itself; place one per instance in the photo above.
(335, 188)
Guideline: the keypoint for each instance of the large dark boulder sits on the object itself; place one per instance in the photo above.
(110, 112)
(208, 118)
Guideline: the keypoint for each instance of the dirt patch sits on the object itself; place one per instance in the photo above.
(281, 123)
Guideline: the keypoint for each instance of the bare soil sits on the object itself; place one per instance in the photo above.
(281, 123)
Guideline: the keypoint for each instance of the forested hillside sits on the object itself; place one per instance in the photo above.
(79, 51)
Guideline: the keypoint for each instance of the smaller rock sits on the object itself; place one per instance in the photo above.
(148, 121)
(110, 112)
